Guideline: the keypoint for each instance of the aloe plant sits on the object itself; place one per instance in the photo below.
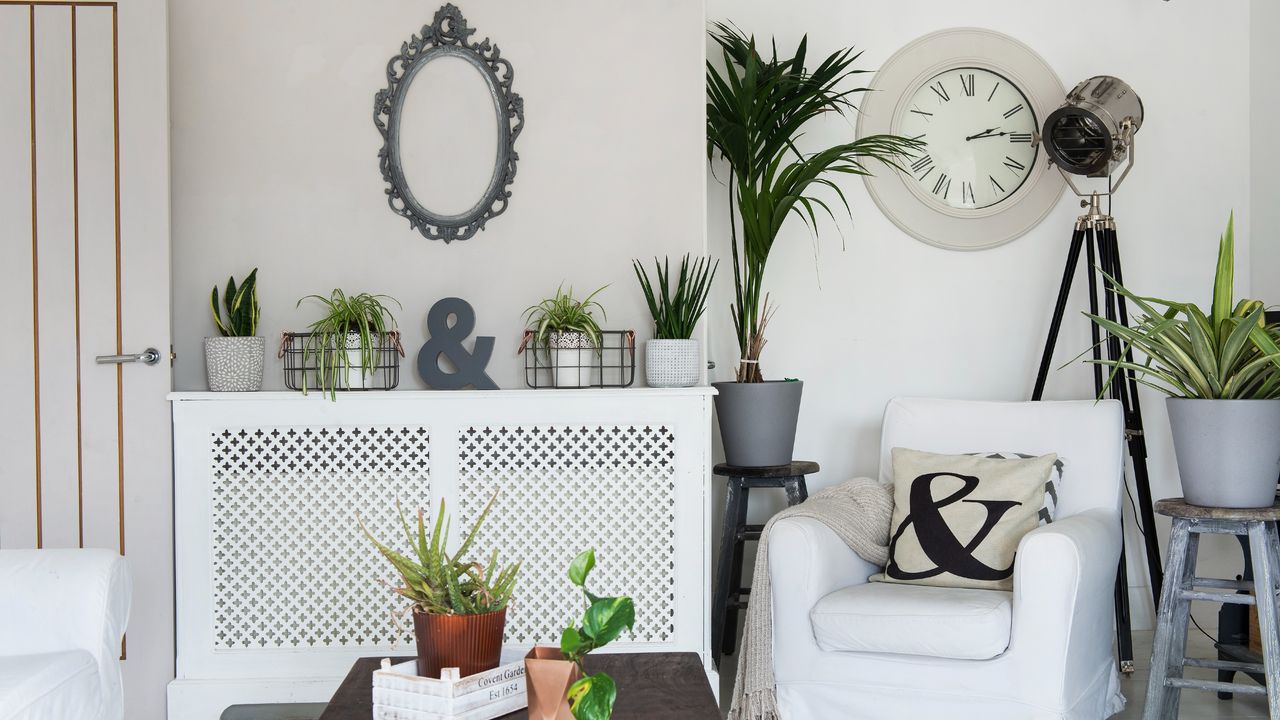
(592, 697)
(675, 314)
(756, 111)
(439, 582)
(1228, 353)
(241, 305)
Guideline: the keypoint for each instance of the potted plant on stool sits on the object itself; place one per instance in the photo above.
(756, 109)
(671, 358)
(564, 327)
(233, 361)
(1221, 371)
(559, 688)
(459, 606)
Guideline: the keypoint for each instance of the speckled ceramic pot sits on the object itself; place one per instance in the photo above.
(234, 364)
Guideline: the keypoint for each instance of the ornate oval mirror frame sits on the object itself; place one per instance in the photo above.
(448, 35)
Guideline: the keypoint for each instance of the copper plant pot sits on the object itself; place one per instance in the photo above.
(471, 643)
(547, 679)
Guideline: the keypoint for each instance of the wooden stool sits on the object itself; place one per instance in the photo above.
(1168, 653)
(730, 595)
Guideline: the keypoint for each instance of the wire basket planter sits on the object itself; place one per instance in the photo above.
(612, 365)
(302, 365)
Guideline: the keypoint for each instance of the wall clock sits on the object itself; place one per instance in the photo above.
(976, 99)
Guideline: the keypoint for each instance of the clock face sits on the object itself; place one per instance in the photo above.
(977, 128)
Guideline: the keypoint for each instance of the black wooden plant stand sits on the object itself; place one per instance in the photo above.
(730, 594)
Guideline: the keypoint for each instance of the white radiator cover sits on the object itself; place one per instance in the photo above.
(278, 591)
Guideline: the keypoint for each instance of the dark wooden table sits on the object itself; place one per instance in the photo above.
(672, 686)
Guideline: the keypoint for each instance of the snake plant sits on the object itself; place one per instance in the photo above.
(1228, 353)
(675, 314)
(242, 307)
(438, 582)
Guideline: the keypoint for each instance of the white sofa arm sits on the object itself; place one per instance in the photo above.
(1063, 604)
(807, 561)
(73, 599)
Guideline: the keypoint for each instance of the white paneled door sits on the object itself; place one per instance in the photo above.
(84, 222)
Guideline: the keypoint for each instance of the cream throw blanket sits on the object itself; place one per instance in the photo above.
(858, 511)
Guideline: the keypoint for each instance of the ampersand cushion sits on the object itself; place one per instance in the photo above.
(957, 519)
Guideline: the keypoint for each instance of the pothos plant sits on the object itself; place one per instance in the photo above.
(592, 697)
(756, 111)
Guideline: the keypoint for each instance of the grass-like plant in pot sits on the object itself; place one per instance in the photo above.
(557, 679)
(459, 605)
(672, 357)
(346, 345)
(757, 109)
(566, 329)
(1221, 372)
(233, 360)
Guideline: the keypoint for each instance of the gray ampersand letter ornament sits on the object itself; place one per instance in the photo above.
(447, 340)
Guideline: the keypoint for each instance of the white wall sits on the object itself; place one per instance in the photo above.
(892, 316)
(1264, 139)
(275, 162)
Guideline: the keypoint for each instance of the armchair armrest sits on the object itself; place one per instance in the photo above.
(1064, 580)
(806, 562)
(72, 599)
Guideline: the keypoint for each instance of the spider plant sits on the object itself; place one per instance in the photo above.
(437, 582)
(1228, 353)
(241, 302)
(756, 109)
(562, 314)
(363, 316)
(676, 314)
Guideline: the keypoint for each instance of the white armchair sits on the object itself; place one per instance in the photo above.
(845, 648)
(62, 615)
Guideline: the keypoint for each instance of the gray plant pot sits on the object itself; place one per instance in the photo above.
(234, 364)
(758, 421)
(1228, 450)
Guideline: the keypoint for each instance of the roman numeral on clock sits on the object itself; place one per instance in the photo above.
(918, 111)
(968, 86)
(1019, 137)
(921, 164)
(966, 193)
(941, 91)
(1013, 165)
(993, 92)
(943, 185)
(995, 185)
(1012, 111)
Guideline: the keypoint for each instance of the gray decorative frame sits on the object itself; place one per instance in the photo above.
(448, 35)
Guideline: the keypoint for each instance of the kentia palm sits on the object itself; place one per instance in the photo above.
(756, 110)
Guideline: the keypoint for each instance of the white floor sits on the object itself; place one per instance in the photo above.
(1196, 704)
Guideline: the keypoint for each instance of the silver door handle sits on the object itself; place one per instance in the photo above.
(150, 356)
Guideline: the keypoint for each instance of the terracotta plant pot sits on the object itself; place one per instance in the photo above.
(547, 677)
(471, 643)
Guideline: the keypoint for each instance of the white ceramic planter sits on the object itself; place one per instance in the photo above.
(357, 377)
(1228, 450)
(572, 359)
(672, 363)
(234, 364)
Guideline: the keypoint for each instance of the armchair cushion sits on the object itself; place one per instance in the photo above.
(958, 623)
(51, 685)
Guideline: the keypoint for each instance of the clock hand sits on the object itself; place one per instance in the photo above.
(982, 137)
(984, 133)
